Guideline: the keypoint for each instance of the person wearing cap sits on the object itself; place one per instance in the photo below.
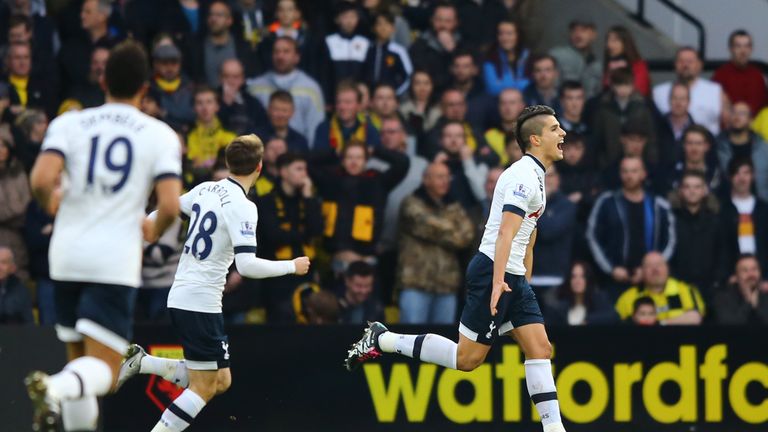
(615, 108)
(577, 61)
(175, 90)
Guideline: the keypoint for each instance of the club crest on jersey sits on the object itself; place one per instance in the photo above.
(522, 191)
(248, 229)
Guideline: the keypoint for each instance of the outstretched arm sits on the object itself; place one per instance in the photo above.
(252, 267)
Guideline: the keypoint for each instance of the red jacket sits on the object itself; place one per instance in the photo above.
(743, 84)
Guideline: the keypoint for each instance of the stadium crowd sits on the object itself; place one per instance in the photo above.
(385, 125)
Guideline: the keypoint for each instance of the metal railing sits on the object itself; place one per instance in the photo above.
(639, 15)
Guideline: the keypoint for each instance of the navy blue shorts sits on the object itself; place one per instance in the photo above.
(103, 312)
(515, 309)
(206, 346)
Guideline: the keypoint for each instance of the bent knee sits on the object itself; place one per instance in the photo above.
(222, 386)
(541, 350)
(469, 363)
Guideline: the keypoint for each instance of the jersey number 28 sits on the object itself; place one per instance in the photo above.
(201, 230)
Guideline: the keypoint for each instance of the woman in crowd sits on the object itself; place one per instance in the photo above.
(420, 108)
(579, 302)
(505, 65)
(621, 51)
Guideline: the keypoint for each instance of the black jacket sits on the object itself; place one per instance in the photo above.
(295, 141)
(697, 258)
(353, 206)
(15, 302)
(242, 117)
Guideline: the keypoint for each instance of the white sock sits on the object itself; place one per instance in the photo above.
(84, 376)
(180, 413)
(430, 348)
(80, 414)
(171, 370)
(541, 388)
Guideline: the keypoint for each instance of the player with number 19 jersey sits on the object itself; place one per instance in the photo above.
(222, 223)
(114, 155)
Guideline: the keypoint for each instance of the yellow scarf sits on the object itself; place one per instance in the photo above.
(337, 138)
(470, 137)
(168, 86)
(20, 84)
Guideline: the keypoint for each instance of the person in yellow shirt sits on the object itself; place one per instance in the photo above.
(677, 303)
(511, 104)
(208, 136)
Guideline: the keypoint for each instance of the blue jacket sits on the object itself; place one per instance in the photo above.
(509, 78)
(608, 229)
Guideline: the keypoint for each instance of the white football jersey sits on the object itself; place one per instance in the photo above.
(113, 154)
(520, 189)
(222, 223)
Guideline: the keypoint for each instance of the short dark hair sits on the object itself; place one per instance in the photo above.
(569, 85)
(349, 85)
(282, 96)
(541, 57)
(699, 174)
(385, 15)
(682, 49)
(19, 19)
(736, 33)
(201, 89)
(352, 143)
(382, 85)
(451, 123)
(463, 52)
(699, 129)
(288, 39)
(736, 163)
(359, 268)
(642, 301)
(527, 126)
(633, 128)
(746, 256)
(127, 70)
(621, 76)
(243, 155)
(288, 158)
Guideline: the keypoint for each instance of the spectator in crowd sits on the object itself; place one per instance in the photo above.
(394, 138)
(30, 129)
(433, 228)
(621, 52)
(554, 237)
(468, 173)
(741, 79)
(27, 90)
(402, 30)
(697, 259)
(745, 302)
(465, 77)
(671, 125)
(208, 136)
(279, 113)
(290, 223)
(572, 101)
(644, 312)
(386, 61)
(220, 44)
(251, 18)
(185, 19)
(346, 49)
(628, 223)
(290, 24)
(320, 307)
(577, 61)
(307, 96)
(89, 94)
(510, 106)
(239, 112)
(383, 104)
(354, 199)
(744, 217)
(490, 186)
(176, 90)
(15, 193)
(158, 270)
(433, 50)
(677, 303)
(634, 143)
(708, 101)
(621, 105)
(273, 148)
(420, 109)
(579, 301)
(543, 89)
(479, 20)
(15, 302)
(357, 301)
(348, 122)
(454, 108)
(507, 60)
(75, 53)
(738, 142)
(578, 180)
(698, 143)
(38, 227)
(27, 21)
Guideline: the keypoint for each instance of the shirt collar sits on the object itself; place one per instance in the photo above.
(538, 162)
(238, 184)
